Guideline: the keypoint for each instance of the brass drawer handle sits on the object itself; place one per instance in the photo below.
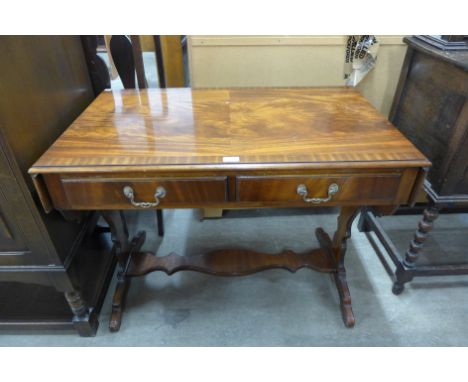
(302, 190)
(130, 195)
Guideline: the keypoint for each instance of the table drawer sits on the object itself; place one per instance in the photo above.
(319, 189)
(103, 193)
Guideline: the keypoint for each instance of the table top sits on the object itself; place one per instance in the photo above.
(133, 130)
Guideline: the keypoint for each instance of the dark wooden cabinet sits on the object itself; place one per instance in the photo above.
(54, 270)
(431, 109)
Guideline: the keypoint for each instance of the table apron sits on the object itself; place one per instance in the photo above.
(228, 191)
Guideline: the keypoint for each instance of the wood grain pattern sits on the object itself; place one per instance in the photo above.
(179, 129)
(237, 148)
(230, 262)
(357, 188)
(250, 189)
(104, 193)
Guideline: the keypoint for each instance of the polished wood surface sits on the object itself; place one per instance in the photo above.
(104, 193)
(353, 188)
(128, 58)
(229, 189)
(235, 148)
(237, 128)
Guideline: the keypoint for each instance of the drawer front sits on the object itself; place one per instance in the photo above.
(93, 193)
(318, 189)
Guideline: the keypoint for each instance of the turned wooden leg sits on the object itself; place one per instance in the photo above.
(84, 319)
(430, 214)
(119, 236)
(425, 225)
(337, 249)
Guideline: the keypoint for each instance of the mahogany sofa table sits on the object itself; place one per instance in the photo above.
(229, 148)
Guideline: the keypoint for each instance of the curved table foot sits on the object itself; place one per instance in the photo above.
(123, 283)
(336, 250)
(118, 303)
(345, 298)
(340, 280)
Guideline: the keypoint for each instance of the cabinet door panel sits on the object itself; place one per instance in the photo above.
(21, 241)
